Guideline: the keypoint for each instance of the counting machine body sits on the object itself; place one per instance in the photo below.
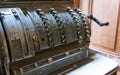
(40, 41)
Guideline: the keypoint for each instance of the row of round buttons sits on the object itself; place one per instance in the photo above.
(60, 25)
(85, 24)
(47, 27)
(77, 22)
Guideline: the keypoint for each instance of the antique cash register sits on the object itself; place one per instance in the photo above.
(42, 37)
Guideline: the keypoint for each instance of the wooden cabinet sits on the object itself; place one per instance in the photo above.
(106, 38)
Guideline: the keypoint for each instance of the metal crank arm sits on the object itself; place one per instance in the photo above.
(97, 21)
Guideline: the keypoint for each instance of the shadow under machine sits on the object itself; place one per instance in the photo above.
(42, 37)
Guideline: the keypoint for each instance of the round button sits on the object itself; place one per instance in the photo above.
(49, 34)
(64, 41)
(63, 37)
(68, 9)
(54, 12)
(48, 29)
(41, 13)
(61, 27)
(39, 10)
(50, 40)
(35, 38)
(47, 25)
(52, 9)
(78, 32)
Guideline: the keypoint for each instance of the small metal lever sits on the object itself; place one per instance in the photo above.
(97, 21)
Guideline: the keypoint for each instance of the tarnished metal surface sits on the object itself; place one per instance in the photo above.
(60, 63)
(35, 41)
(1, 51)
(4, 53)
(15, 34)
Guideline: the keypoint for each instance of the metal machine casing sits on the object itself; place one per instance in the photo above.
(35, 39)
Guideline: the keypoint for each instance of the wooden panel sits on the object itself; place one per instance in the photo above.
(105, 10)
(76, 3)
(86, 6)
(118, 34)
